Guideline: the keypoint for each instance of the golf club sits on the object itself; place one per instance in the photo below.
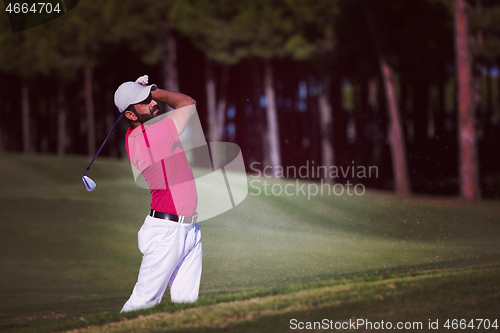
(88, 183)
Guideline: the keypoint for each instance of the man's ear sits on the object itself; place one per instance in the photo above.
(130, 115)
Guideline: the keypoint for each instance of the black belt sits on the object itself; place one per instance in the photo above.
(174, 218)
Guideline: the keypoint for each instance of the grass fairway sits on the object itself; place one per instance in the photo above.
(66, 253)
(410, 301)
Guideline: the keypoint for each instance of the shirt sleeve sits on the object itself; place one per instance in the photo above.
(162, 138)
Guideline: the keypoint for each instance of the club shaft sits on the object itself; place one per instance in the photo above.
(107, 137)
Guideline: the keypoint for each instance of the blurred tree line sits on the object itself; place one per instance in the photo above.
(408, 86)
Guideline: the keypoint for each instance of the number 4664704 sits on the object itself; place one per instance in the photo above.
(473, 324)
(35, 8)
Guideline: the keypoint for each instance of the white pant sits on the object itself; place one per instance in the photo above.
(172, 254)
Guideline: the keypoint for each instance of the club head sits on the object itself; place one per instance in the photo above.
(88, 183)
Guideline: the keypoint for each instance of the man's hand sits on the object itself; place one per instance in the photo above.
(143, 80)
(176, 101)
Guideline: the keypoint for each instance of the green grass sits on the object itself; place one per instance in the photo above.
(66, 253)
(432, 295)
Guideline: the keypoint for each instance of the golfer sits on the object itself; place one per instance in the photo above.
(169, 239)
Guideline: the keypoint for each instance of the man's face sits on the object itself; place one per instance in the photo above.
(147, 109)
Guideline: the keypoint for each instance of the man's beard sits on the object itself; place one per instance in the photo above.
(142, 118)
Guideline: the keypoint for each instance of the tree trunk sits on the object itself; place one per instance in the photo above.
(294, 137)
(170, 77)
(89, 109)
(314, 123)
(272, 118)
(61, 122)
(340, 126)
(213, 130)
(216, 108)
(26, 123)
(2, 141)
(378, 135)
(396, 138)
(260, 141)
(222, 101)
(2, 116)
(469, 169)
(326, 123)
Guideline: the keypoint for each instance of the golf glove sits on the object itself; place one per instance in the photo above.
(143, 80)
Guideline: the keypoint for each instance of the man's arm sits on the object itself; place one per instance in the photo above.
(173, 99)
(178, 102)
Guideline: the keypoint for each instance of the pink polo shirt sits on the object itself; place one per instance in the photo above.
(156, 151)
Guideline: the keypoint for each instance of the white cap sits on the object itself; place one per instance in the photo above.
(131, 93)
